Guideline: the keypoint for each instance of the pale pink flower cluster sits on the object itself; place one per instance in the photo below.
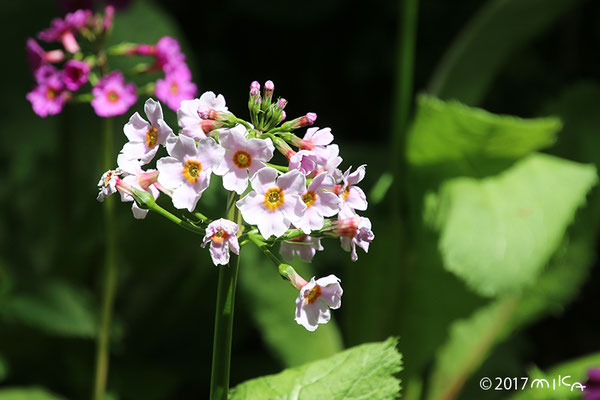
(295, 205)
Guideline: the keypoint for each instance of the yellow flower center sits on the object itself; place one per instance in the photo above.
(108, 177)
(112, 96)
(50, 94)
(191, 170)
(151, 137)
(309, 198)
(346, 192)
(219, 236)
(174, 88)
(312, 295)
(241, 159)
(274, 198)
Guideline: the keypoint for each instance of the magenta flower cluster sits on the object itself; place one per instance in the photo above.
(61, 73)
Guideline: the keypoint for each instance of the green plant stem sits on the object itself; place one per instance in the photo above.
(219, 379)
(280, 168)
(110, 273)
(151, 204)
(403, 93)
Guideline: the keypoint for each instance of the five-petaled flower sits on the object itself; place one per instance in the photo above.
(320, 202)
(112, 96)
(222, 236)
(275, 202)
(315, 300)
(187, 172)
(144, 137)
(243, 158)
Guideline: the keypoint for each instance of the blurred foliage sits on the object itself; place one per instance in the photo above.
(494, 244)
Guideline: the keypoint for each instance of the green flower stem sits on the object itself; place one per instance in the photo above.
(246, 124)
(219, 379)
(405, 56)
(264, 247)
(280, 168)
(110, 273)
(151, 204)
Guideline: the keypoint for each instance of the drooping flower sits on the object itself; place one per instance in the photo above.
(144, 137)
(275, 202)
(222, 236)
(305, 161)
(107, 184)
(176, 86)
(49, 96)
(303, 246)
(353, 231)
(320, 202)
(112, 96)
(188, 117)
(63, 30)
(76, 74)
(315, 300)
(243, 158)
(187, 171)
(353, 198)
(38, 56)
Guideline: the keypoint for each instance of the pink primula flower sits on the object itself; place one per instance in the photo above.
(144, 137)
(187, 171)
(76, 74)
(320, 202)
(352, 197)
(353, 231)
(112, 96)
(222, 236)
(63, 30)
(49, 96)
(176, 86)
(275, 202)
(305, 161)
(243, 157)
(168, 51)
(38, 56)
(315, 300)
(188, 117)
(303, 246)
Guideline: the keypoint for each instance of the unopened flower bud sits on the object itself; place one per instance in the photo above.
(254, 88)
(281, 103)
(283, 147)
(109, 14)
(306, 120)
(209, 125)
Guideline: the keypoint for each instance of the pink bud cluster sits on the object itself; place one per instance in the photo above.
(60, 73)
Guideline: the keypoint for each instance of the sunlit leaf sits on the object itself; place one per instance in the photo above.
(497, 233)
(363, 372)
(452, 132)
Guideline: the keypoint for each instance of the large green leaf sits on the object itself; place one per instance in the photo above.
(29, 393)
(271, 301)
(58, 308)
(487, 43)
(362, 372)
(450, 132)
(471, 340)
(575, 370)
(497, 233)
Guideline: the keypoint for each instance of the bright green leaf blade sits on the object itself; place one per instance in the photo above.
(576, 370)
(30, 393)
(445, 132)
(497, 233)
(486, 44)
(471, 340)
(362, 372)
(58, 308)
(272, 303)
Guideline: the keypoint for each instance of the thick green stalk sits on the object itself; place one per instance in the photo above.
(110, 272)
(219, 379)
